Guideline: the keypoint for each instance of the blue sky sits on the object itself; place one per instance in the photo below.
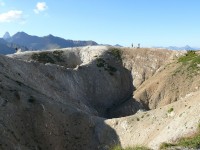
(149, 22)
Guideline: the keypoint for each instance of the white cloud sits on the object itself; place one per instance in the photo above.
(41, 6)
(12, 15)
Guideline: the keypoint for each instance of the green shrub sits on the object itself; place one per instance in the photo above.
(190, 55)
(42, 57)
(170, 110)
(106, 66)
(58, 55)
(116, 52)
(191, 60)
(48, 57)
(111, 68)
(166, 145)
(100, 62)
(191, 142)
(58, 52)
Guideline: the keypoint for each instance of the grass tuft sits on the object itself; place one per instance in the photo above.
(191, 60)
(130, 148)
(185, 142)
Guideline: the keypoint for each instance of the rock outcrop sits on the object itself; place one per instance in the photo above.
(53, 99)
(144, 62)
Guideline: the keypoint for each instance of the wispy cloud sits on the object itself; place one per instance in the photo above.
(12, 15)
(40, 6)
(2, 3)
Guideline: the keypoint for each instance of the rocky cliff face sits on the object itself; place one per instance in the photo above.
(171, 82)
(168, 85)
(144, 62)
(95, 79)
(53, 99)
(60, 99)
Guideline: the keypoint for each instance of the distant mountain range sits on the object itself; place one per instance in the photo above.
(187, 47)
(21, 40)
(24, 41)
(46, 42)
(4, 48)
(10, 48)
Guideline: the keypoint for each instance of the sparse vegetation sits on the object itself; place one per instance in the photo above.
(100, 62)
(190, 60)
(58, 52)
(190, 55)
(170, 110)
(42, 57)
(106, 66)
(48, 57)
(116, 52)
(166, 145)
(58, 55)
(130, 148)
(111, 68)
(185, 142)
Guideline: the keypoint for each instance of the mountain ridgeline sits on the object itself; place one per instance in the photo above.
(9, 47)
(46, 42)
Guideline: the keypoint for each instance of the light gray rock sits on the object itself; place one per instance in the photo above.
(57, 105)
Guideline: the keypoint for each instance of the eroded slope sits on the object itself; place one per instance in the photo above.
(171, 83)
(164, 124)
(144, 62)
(51, 102)
(55, 99)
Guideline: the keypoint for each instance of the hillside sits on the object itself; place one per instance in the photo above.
(96, 97)
(170, 83)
